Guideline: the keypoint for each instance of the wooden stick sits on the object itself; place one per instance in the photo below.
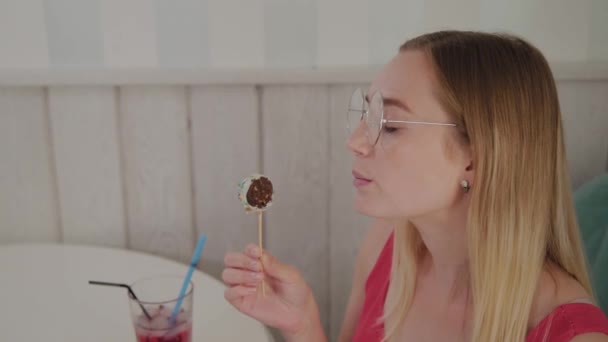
(261, 248)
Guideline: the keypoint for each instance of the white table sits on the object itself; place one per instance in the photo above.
(45, 296)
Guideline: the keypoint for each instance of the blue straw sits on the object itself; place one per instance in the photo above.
(193, 263)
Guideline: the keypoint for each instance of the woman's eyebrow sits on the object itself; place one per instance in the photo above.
(393, 102)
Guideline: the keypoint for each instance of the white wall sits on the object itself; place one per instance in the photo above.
(276, 33)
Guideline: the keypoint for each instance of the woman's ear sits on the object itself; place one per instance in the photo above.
(469, 172)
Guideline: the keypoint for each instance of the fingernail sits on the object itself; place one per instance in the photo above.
(254, 265)
(255, 251)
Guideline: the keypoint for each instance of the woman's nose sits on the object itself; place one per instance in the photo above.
(358, 142)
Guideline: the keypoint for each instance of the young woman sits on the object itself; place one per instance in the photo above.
(459, 156)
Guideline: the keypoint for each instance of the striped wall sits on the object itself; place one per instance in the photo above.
(149, 166)
(238, 34)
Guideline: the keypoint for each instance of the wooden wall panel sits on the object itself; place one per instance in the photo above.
(155, 138)
(28, 194)
(85, 136)
(295, 131)
(225, 140)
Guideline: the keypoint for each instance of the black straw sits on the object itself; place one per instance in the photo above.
(92, 282)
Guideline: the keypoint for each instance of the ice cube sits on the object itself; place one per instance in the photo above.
(159, 322)
(182, 317)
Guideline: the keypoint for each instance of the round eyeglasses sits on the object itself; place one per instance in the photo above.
(369, 112)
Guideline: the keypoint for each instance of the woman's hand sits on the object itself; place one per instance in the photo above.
(288, 303)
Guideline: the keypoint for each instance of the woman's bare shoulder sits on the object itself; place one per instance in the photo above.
(556, 287)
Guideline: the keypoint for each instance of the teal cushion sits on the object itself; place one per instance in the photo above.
(591, 202)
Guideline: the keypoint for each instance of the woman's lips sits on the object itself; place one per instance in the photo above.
(359, 180)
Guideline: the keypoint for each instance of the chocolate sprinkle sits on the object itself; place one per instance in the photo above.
(260, 193)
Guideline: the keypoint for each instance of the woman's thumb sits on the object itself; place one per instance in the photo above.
(278, 270)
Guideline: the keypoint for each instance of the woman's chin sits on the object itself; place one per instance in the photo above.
(364, 206)
(369, 207)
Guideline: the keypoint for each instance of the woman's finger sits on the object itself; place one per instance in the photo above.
(233, 276)
(240, 260)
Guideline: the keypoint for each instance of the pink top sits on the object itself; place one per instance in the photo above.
(561, 325)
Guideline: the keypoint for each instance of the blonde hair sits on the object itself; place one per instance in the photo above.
(500, 91)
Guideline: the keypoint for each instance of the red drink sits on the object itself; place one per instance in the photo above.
(151, 313)
(182, 335)
(160, 328)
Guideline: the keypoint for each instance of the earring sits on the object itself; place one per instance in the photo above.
(465, 185)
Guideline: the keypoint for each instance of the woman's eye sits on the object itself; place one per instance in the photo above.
(390, 129)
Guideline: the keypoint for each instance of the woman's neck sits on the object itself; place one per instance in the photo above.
(446, 257)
